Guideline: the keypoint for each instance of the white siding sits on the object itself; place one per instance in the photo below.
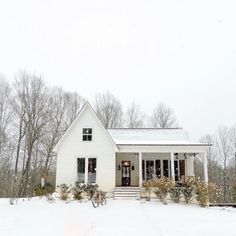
(72, 147)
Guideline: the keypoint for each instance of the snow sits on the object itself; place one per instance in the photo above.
(145, 136)
(119, 217)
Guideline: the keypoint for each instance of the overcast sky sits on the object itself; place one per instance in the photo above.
(179, 52)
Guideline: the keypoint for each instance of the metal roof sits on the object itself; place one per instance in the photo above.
(152, 136)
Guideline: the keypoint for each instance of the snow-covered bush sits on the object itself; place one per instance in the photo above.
(78, 190)
(232, 190)
(164, 186)
(201, 193)
(188, 193)
(43, 190)
(90, 189)
(175, 194)
(64, 191)
(188, 189)
(147, 185)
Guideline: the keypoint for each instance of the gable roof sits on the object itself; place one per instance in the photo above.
(86, 105)
(152, 136)
(138, 136)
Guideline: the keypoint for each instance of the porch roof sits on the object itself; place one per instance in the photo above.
(152, 136)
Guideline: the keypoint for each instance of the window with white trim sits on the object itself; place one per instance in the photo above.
(87, 134)
(81, 170)
(86, 170)
(92, 169)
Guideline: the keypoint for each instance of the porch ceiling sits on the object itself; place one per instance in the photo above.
(164, 148)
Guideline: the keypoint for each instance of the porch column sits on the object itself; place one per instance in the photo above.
(140, 170)
(205, 167)
(172, 166)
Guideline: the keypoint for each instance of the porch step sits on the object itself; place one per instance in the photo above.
(126, 193)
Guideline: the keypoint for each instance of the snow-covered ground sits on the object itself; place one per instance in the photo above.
(37, 217)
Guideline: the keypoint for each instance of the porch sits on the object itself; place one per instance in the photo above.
(134, 168)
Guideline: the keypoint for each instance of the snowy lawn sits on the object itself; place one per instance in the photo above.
(119, 217)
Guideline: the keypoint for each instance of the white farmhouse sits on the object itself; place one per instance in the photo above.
(115, 158)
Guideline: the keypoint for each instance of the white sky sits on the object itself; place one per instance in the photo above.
(180, 52)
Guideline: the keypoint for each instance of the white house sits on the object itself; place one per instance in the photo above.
(89, 153)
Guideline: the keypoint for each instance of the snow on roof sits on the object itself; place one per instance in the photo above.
(151, 136)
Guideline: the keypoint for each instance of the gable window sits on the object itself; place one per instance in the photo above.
(87, 134)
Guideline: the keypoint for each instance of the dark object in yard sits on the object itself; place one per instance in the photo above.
(223, 204)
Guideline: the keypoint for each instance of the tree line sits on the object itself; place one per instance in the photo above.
(33, 117)
(221, 162)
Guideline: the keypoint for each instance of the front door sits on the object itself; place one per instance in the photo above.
(125, 175)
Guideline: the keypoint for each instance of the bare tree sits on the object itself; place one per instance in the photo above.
(54, 129)
(64, 107)
(5, 115)
(214, 168)
(74, 103)
(6, 145)
(18, 129)
(32, 96)
(163, 117)
(232, 169)
(108, 109)
(233, 142)
(41, 116)
(224, 154)
(134, 118)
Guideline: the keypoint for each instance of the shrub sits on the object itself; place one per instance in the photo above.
(78, 190)
(147, 186)
(233, 192)
(38, 190)
(188, 193)
(188, 190)
(175, 194)
(164, 186)
(64, 191)
(46, 189)
(90, 189)
(202, 193)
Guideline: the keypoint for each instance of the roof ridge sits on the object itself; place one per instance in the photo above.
(146, 128)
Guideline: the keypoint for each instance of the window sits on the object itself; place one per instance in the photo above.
(158, 168)
(149, 170)
(182, 168)
(88, 164)
(143, 170)
(81, 169)
(166, 168)
(92, 167)
(176, 170)
(87, 134)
